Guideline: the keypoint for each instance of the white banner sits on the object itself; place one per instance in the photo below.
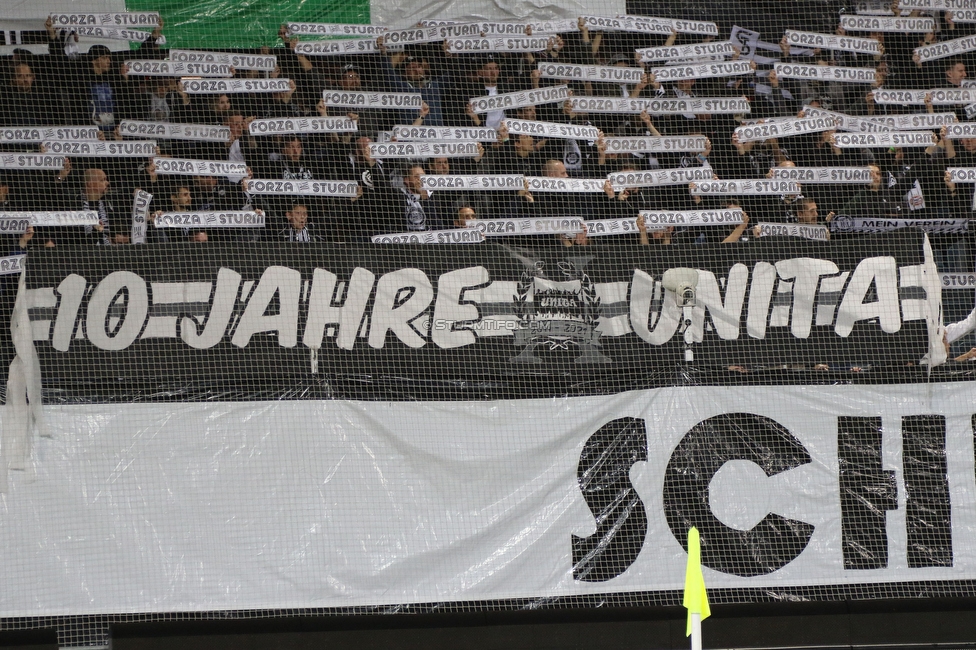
(867, 225)
(23, 134)
(784, 129)
(888, 139)
(221, 86)
(832, 42)
(140, 212)
(508, 227)
(886, 24)
(825, 73)
(745, 186)
(175, 131)
(691, 51)
(145, 19)
(946, 48)
(474, 134)
(61, 218)
(662, 219)
(30, 161)
(338, 47)
(547, 184)
(681, 26)
(227, 219)
(874, 8)
(157, 68)
(803, 231)
(395, 101)
(194, 167)
(607, 73)
(678, 176)
(454, 30)
(662, 106)
(468, 235)
(607, 227)
(633, 105)
(657, 144)
(113, 33)
(962, 174)
(629, 24)
(552, 130)
(822, 174)
(510, 182)
(958, 280)
(557, 26)
(888, 96)
(940, 96)
(414, 35)
(847, 122)
(302, 125)
(960, 130)
(101, 148)
(499, 44)
(913, 121)
(333, 29)
(939, 5)
(455, 149)
(536, 97)
(962, 15)
(702, 71)
(303, 188)
(263, 62)
(14, 223)
(500, 515)
(12, 264)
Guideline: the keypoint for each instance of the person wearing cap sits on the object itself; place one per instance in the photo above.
(349, 78)
(94, 92)
(94, 89)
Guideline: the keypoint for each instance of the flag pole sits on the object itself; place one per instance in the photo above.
(695, 597)
(696, 633)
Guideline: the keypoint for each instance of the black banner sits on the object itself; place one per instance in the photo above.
(462, 322)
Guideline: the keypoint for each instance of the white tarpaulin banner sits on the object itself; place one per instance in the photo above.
(400, 15)
(201, 506)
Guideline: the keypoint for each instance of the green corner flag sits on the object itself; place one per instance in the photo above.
(696, 600)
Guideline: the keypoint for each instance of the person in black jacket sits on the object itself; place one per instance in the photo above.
(94, 91)
(24, 101)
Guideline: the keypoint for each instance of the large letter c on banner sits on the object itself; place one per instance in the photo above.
(772, 543)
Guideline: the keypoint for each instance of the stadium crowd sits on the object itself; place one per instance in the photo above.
(96, 88)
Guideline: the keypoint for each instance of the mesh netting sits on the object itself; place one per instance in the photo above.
(735, 219)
